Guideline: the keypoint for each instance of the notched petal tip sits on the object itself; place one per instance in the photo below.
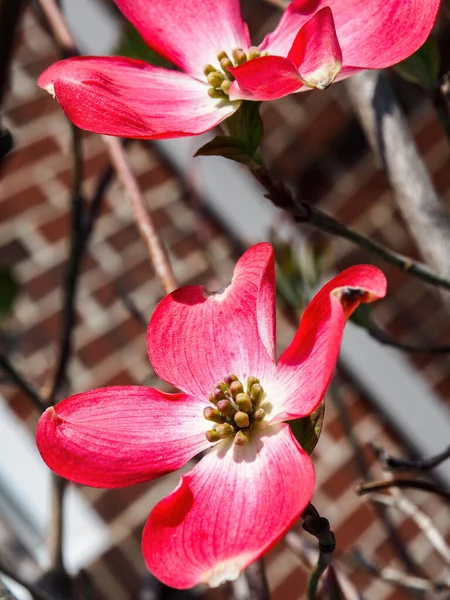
(228, 570)
(322, 77)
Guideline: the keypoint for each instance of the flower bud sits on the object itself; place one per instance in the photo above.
(241, 419)
(207, 69)
(225, 63)
(259, 415)
(230, 379)
(225, 430)
(213, 93)
(241, 438)
(251, 381)
(221, 55)
(215, 79)
(253, 52)
(257, 392)
(217, 395)
(212, 414)
(212, 436)
(225, 86)
(244, 402)
(239, 56)
(236, 388)
(226, 408)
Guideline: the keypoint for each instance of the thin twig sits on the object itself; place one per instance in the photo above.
(22, 383)
(56, 533)
(10, 13)
(391, 140)
(422, 520)
(415, 484)
(303, 212)
(394, 463)
(398, 577)
(36, 592)
(386, 339)
(157, 253)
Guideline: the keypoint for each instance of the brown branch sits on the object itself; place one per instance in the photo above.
(10, 13)
(20, 381)
(393, 463)
(390, 137)
(414, 484)
(157, 253)
(302, 212)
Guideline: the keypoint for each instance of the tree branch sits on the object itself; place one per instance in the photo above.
(22, 383)
(393, 463)
(390, 137)
(303, 212)
(415, 484)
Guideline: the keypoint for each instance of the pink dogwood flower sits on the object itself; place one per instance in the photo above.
(219, 350)
(315, 42)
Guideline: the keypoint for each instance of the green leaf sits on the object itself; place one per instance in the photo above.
(246, 124)
(9, 289)
(422, 67)
(132, 45)
(229, 147)
(308, 429)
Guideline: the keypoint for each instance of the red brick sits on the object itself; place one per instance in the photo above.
(28, 154)
(15, 205)
(96, 351)
(155, 176)
(13, 252)
(341, 480)
(42, 106)
(40, 286)
(57, 228)
(186, 245)
(429, 135)
(354, 526)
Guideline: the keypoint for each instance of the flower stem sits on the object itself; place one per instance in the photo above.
(316, 573)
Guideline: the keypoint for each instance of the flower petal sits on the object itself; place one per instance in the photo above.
(265, 78)
(117, 436)
(306, 366)
(190, 34)
(373, 34)
(229, 510)
(129, 98)
(316, 52)
(196, 338)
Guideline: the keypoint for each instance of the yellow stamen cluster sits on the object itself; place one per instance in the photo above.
(235, 410)
(221, 79)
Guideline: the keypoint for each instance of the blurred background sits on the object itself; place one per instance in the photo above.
(208, 211)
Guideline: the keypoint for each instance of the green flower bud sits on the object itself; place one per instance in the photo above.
(212, 414)
(225, 87)
(239, 56)
(251, 381)
(225, 63)
(253, 52)
(225, 430)
(259, 415)
(212, 436)
(207, 69)
(213, 93)
(226, 408)
(236, 388)
(244, 403)
(242, 419)
(257, 392)
(222, 55)
(241, 438)
(215, 79)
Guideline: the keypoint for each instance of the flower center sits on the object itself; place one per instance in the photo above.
(221, 79)
(235, 410)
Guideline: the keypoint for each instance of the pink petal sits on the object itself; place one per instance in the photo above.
(229, 510)
(316, 52)
(265, 78)
(195, 338)
(190, 34)
(117, 436)
(373, 34)
(129, 98)
(306, 366)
